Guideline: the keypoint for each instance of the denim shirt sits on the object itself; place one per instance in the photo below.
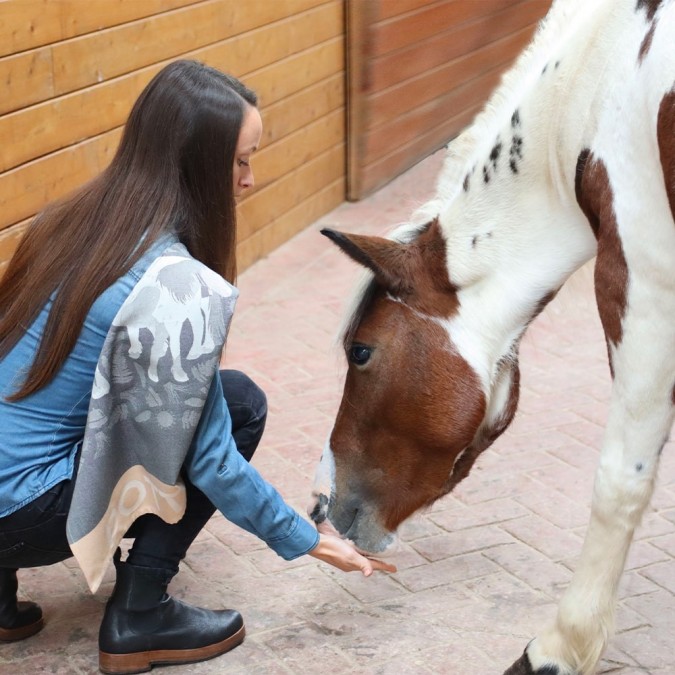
(40, 434)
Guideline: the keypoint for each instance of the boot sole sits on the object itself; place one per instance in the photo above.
(141, 662)
(21, 633)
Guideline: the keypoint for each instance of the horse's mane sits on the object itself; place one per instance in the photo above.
(476, 140)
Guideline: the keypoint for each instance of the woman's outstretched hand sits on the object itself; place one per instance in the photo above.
(341, 554)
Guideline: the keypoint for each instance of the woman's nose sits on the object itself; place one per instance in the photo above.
(247, 181)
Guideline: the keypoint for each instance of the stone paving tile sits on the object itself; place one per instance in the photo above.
(480, 571)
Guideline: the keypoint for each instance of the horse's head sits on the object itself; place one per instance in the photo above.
(413, 411)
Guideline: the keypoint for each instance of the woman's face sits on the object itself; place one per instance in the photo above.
(249, 139)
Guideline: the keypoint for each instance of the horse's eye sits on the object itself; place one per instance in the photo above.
(359, 354)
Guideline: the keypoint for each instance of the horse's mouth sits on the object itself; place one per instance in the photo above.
(319, 516)
(320, 511)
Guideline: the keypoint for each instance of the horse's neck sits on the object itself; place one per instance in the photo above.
(515, 232)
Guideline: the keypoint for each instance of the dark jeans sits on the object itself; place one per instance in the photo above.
(35, 535)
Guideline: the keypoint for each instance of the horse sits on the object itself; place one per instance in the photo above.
(573, 157)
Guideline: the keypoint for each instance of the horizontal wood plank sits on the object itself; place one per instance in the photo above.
(387, 9)
(417, 27)
(10, 238)
(64, 121)
(405, 128)
(40, 129)
(290, 75)
(28, 75)
(25, 24)
(71, 90)
(300, 109)
(25, 78)
(290, 190)
(264, 46)
(383, 170)
(393, 68)
(274, 161)
(27, 189)
(404, 97)
(290, 223)
(98, 56)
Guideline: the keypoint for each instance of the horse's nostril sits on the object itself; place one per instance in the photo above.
(318, 514)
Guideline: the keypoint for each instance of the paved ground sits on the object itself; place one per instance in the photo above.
(479, 573)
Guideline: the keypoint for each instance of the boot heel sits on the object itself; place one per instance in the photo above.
(22, 632)
(142, 662)
(124, 664)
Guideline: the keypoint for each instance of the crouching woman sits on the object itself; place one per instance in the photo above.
(115, 418)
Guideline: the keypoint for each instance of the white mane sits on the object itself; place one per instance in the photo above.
(475, 141)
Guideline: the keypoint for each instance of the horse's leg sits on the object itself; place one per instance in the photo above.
(135, 346)
(640, 418)
(173, 347)
(160, 346)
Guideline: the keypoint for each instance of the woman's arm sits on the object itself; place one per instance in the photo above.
(240, 493)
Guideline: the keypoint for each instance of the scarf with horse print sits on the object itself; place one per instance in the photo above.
(153, 376)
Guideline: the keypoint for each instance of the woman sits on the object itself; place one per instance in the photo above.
(113, 314)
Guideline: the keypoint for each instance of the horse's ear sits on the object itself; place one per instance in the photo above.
(384, 257)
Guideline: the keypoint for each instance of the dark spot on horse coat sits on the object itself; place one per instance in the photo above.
(486, 175)
(515, 119)
(646, 42)
(665, 134)
(474, 241)
(465, 184)
(494, 154)
(650, 6)
(596, 199)
(639, 467)
(515, 152)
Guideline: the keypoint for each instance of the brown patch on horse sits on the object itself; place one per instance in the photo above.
(665, 133)
(595, 197)
(416, 395)
(486, 436)
(415, 272)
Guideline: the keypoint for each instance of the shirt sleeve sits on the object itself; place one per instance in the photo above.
(237, 490)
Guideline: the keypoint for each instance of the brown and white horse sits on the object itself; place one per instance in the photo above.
(574, 156)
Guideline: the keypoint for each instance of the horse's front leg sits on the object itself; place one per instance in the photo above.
(640, 419)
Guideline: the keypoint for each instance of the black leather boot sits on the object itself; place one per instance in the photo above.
(18, 620)
(143, 626)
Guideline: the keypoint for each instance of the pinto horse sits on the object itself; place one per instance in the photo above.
(573, 157)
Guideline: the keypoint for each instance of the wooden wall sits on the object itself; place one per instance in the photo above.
(418, 71)
(71, 69)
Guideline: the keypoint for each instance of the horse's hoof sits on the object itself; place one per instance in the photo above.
(523, 667)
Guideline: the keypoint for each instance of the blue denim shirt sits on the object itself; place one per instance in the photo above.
(40, 434)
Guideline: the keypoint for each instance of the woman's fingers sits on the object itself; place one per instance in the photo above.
(381, 565)
(343, 555)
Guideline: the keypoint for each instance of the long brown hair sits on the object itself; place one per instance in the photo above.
(173, 171)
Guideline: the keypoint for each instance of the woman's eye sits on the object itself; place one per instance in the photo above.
(359, 354)
(242, 162)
